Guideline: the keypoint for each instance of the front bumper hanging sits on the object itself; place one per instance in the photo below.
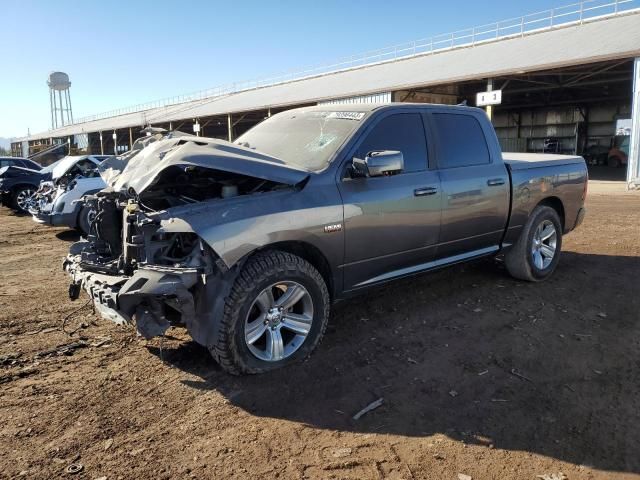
(140, 297)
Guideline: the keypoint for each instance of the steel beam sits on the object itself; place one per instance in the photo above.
(490, 107)
(633, 165)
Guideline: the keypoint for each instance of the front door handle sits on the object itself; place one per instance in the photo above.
(421, 192)
(494, 182)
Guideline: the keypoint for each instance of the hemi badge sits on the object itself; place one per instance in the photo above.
(336, 227)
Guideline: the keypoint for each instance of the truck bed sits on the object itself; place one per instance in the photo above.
(525, 161)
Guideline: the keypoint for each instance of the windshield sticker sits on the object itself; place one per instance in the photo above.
(347, 115)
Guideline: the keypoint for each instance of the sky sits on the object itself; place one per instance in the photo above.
(120, 53)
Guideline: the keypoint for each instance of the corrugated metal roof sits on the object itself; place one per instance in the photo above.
(607, 38)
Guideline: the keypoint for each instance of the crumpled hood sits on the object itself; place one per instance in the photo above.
(64, 165)
(142, 171)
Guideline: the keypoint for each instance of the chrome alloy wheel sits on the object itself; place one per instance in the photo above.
(278, 321)
(543, 247)
(25, 199)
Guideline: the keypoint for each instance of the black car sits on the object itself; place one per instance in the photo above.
(19, 183)
(19, 162)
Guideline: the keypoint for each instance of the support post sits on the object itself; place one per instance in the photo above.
(52, 100)
(230, 127)
(101, 145)
(490, 107)
(633, 165)
(61, 111)
(69, 105)
(130, 138)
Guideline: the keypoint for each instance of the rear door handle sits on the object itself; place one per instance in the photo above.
(422, 192)
(494, 182)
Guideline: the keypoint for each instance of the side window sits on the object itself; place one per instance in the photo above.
(403, 132)
(30, 164)
(5, 163)
(460, 141)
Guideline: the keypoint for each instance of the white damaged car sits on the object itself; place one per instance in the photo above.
(57, 201)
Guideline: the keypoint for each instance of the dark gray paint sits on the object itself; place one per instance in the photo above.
(369, 230)
(388, 231)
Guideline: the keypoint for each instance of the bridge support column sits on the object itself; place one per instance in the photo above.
(633, 164)
(101, 145)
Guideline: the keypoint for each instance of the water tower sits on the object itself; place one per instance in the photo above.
(61, 113)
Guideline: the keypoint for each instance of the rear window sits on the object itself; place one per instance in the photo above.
(461, 141)
(31, 164)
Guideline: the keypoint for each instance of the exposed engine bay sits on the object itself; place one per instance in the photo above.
(133, 267)
(179, 185)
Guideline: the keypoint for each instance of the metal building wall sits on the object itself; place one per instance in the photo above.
(575, 128)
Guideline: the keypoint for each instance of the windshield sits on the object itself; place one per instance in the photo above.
(302, 139)
(49, 168)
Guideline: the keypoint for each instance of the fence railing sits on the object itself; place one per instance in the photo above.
(574, 13)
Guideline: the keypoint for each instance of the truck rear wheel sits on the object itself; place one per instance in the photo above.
(275, 314)
(535, 255)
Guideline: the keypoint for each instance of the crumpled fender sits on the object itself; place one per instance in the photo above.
(235, 227)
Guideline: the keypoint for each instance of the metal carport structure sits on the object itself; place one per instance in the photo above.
(592, 32)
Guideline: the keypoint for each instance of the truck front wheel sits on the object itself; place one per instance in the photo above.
(275, 314)
(535, 255)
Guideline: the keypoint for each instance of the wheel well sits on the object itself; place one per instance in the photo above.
(311, 254)
(20, 185)
(556, 204)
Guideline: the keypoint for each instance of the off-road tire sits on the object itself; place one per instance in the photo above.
(261, 270)
(518, 259)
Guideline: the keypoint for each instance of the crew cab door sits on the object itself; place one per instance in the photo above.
(475, 184)
(391, 222)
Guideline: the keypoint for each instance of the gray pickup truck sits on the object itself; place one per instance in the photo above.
(247, 244)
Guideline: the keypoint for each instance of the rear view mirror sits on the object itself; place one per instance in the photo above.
(378, 163)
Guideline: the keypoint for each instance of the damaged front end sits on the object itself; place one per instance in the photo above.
(132, 270)
(136, 267)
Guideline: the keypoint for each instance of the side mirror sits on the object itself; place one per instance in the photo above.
(379, 163)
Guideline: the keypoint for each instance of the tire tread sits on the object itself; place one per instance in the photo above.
(260, 266)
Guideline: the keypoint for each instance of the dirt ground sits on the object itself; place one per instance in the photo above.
(481, 375)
